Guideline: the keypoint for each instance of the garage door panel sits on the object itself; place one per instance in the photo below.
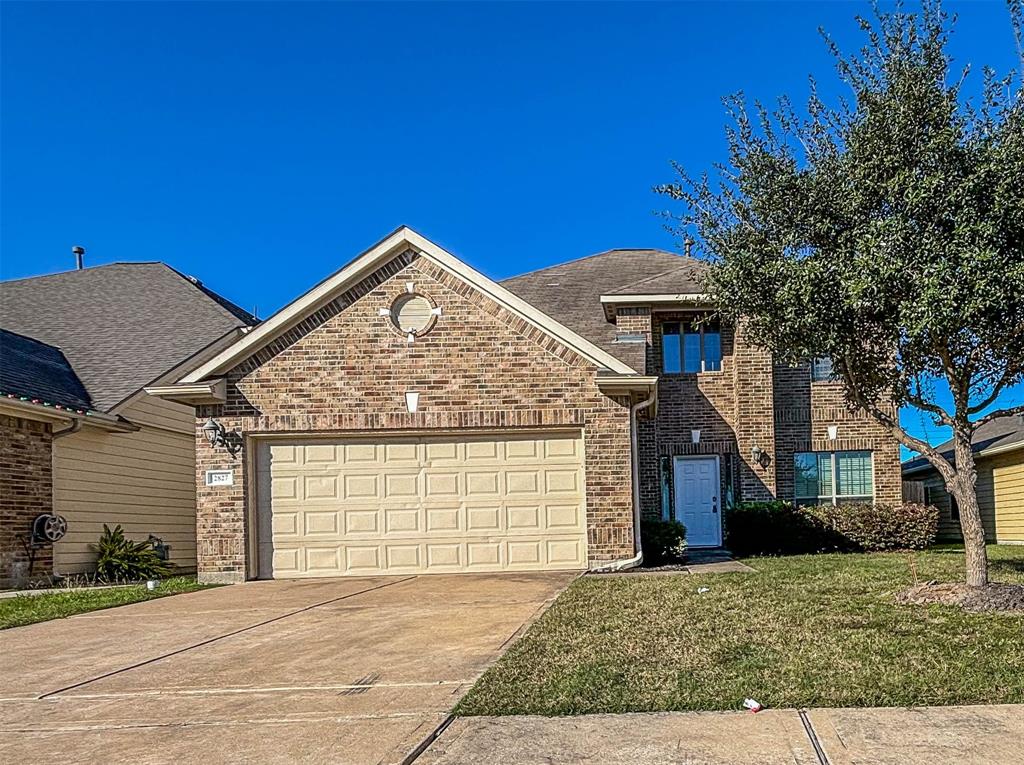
(426, 504)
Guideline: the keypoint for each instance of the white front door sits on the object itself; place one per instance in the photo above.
(697, 505)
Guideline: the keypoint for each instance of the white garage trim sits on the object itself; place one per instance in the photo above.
(419, 503)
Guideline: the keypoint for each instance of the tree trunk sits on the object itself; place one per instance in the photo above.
(963, 488)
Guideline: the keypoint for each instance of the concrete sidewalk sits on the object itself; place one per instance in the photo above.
(982, 735)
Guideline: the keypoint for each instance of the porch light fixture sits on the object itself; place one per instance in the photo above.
(759, 456)
(218, 435)
(695, 436)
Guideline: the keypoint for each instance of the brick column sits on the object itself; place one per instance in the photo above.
(26, 490)
(221, 528)
(755, 417)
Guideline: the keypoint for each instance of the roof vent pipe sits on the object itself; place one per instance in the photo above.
(79, 253)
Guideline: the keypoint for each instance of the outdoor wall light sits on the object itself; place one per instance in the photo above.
(218, 435)
(759, 456)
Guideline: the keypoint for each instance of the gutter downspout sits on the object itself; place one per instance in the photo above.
(636, 560)
(74, 427)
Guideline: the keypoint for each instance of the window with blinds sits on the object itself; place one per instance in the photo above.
(832, 478)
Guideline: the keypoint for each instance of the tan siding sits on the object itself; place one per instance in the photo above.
(1008, 485)
(158, 412)
(1000, 490)
(145, 481)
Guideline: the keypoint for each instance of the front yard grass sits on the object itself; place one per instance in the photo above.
(28, 609)
(804, 631)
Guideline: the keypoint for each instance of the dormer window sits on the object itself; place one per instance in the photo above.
(689, 347)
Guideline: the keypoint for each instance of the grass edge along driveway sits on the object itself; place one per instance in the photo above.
(804, 631)
(25, 609)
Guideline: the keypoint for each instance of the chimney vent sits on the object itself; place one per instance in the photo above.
(79, 253)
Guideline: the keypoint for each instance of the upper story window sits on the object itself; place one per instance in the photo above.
(691, 347)
(831, 478)
(821, 369)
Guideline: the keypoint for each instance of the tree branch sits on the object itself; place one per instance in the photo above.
(1006, 412)
(918, 400)
(891, 423)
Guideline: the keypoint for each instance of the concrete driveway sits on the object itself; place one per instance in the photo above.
(341, 670)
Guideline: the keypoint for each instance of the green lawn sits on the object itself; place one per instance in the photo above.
(28, 609)
(804, 631)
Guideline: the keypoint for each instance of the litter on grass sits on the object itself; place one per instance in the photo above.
(702, 590)
(752, 705)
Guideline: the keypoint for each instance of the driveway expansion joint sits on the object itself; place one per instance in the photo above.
(200, 644)
(813, 736)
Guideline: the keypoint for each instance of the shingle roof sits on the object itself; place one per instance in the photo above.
(686, 279)
(997, 433)
(122, 325)
(571, 292)
(37, 371)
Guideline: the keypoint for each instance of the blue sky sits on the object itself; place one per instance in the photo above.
(258, 146)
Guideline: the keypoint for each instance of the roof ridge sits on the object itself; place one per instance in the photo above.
(233, 308)
(87, 268)
(588, 257)
(691, 263)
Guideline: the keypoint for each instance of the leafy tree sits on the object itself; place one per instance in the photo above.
(885, 232)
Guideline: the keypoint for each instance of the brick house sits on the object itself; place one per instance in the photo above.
(408, 414)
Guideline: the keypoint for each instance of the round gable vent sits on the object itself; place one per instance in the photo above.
(413, 314)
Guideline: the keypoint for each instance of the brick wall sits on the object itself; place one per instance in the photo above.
(751, 401)
(26, 490)
(346, 370)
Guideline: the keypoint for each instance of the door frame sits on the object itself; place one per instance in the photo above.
(677, 495)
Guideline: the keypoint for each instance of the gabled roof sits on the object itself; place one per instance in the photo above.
(1000, 435)
(38, 372)
(120, 326)
(398, 242)
(571, 292)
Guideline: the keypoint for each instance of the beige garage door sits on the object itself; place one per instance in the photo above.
(421, 505)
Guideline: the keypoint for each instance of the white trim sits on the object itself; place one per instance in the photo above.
(718, 491)
(400, 241)
(626, 383)
(994, 450)
(679, 297)
(212, 392)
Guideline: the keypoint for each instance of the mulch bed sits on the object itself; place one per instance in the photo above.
(994, 597)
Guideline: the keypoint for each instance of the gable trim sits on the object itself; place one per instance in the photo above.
(402, 239)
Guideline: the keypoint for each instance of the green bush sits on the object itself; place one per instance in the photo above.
(119, 559)
(781, 528)
(774, 528)
(875, 528)
(662, 541)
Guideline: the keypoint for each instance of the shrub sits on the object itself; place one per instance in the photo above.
(662, 541)
(781, 528)
(774, 528)
(874, 528)
(119, 559)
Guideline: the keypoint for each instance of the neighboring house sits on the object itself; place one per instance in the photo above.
(410, 415)
(78, 435)
(999, 459)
